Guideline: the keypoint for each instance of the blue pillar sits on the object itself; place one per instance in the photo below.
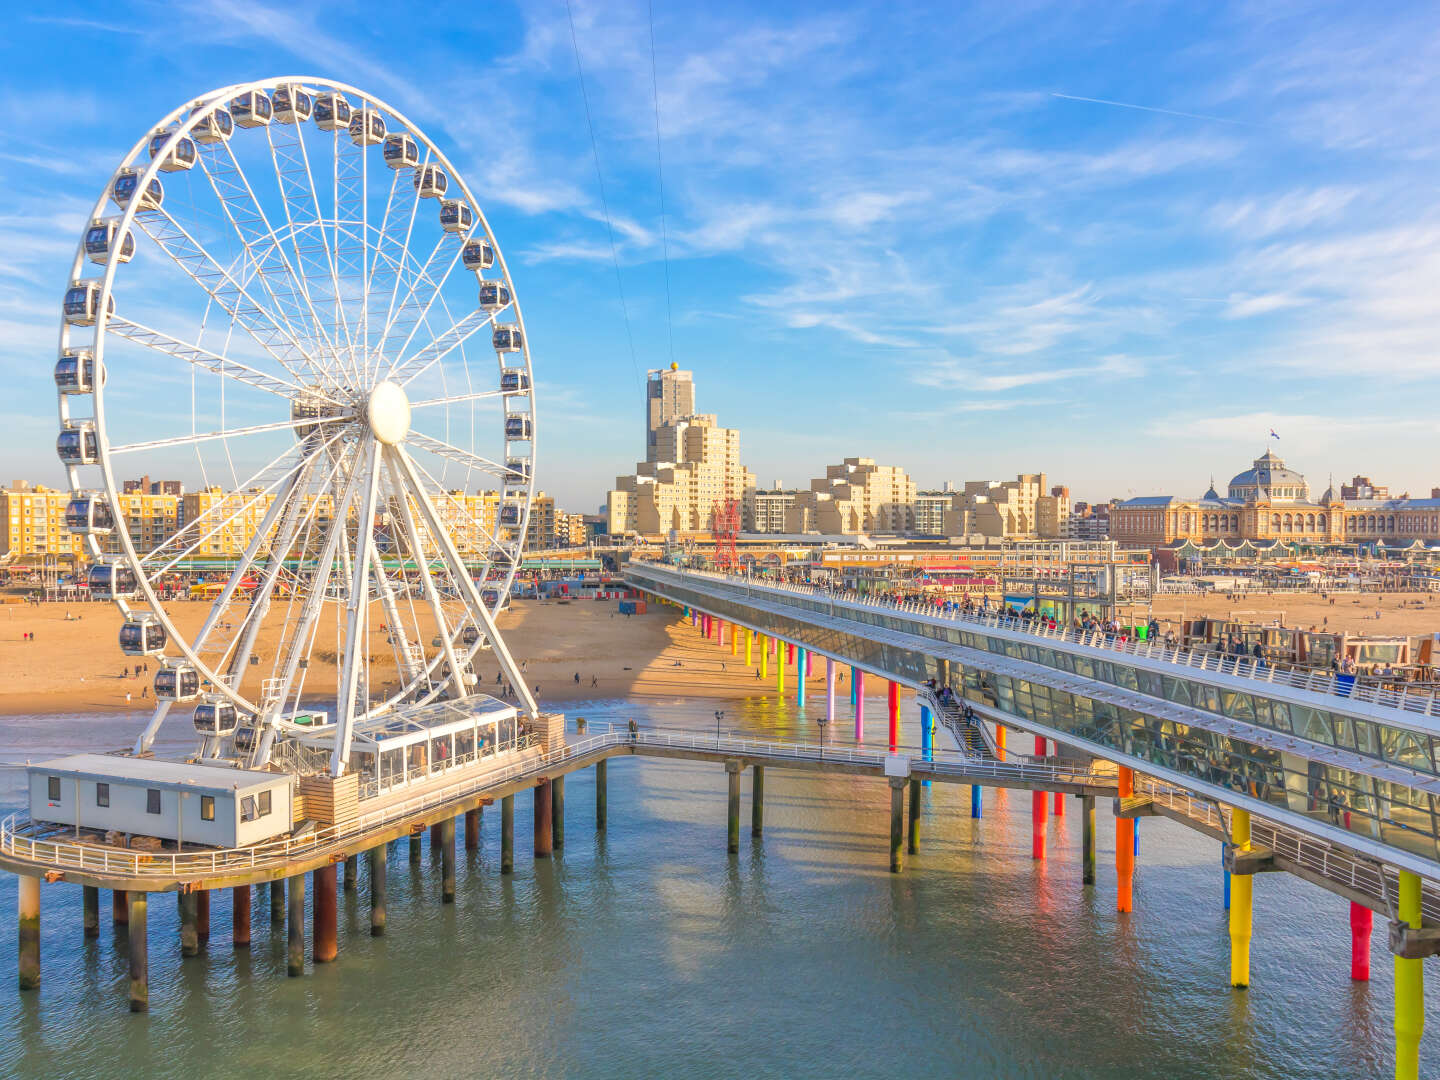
(800, 677)
(927, 737)
(976, 804)
(1223, 846)
(1137, 835)
(852, 686)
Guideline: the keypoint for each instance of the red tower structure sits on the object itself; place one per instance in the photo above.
(725, 527)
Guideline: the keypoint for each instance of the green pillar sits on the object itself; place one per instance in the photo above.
(914, 839)
(91, 917)
(377, 890)
(447, 861)
(135, 911)
(732, 773)
(757, 800)
(1087, 839)
(897, 822)
(600, 795)
(557, 812)
(295, 957)
(507, 834)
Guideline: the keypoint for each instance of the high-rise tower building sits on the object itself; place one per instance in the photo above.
(669, 396)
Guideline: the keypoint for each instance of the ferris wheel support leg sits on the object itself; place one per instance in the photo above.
(147, 737)
(356, 614)
(432, 595)
(464, 580)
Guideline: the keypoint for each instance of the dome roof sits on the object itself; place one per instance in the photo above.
(1266, 473)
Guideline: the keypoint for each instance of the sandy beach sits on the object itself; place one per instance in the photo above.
(75, 664)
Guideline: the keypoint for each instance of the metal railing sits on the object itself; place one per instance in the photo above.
(1422, 702)
(51, 853)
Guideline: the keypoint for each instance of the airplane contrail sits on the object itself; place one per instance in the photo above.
(1152, 108)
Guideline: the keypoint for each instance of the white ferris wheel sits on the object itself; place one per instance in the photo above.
(287, 290)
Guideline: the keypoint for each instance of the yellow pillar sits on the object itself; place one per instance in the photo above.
(1409, 988)
(1241, 893)
(734, 640)
(749, 641)
(764, 658)
(779, 668)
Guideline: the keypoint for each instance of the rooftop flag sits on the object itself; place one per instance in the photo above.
(1272, 434)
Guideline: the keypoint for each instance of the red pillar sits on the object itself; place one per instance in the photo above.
(790, 653)
(893, 698)
(1361, 921)
(1037, 812)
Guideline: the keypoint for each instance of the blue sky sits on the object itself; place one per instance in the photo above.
(1117, 243)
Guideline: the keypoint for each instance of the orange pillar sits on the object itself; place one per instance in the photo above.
(1125, 847)
(1000, 741)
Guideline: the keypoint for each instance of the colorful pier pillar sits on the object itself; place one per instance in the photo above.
(779, 671)
(800, 680)
(1037, 812)
(1241, 897)
(1125, 847)
(790, 652)
(1059, 805)
(749, 643)
(857, 694)
(809, 664)
(829, 691)
(1362, 919)
(893, 701)
(927, 736)
(1225, 870)
(735, 639)
(854, 684)
(764, 658)
(1409, 987)
(1000, 742)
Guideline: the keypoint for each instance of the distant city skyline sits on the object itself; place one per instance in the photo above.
(970, 243)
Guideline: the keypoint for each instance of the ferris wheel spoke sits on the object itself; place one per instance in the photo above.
(454, 453)
(457, 399)
(397, 265)
(462, 576)
(273, 334)
(383, 263)
(357, 611)
(200, 358)
(440, 346)
(261, 246)
(302, 210)
(229, 433)
(415, 314)
(478, 536)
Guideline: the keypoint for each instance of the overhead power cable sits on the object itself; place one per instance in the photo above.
(600, 180)
(660, 175)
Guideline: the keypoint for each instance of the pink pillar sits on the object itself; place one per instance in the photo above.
(1037, 812)
(720, 631)
(809, 664)
(859, 706)
(1361, 920)
(829, 691)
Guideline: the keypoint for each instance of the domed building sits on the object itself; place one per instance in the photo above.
(1268, 506)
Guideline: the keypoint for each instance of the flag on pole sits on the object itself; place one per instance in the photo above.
(1272, 434)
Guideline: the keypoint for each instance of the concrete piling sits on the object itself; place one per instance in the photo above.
(277, 901)
(136, 907)
(544, 837)
(897, 822)
(119, 907)
(189, 930)
(377, 891)
(447, 861)
(472, 830)
(295, 926)
(1087, 839)
(240, 916)
(732, 774)
(601, 796)
(914, 837)
(507, 834)
(90, 918)
(29, 932)
(757, 800)
(557, 812)
(325, 945)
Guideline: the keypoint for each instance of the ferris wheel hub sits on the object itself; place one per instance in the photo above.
(388, 412)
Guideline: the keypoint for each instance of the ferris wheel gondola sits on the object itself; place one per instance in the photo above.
(336, 405)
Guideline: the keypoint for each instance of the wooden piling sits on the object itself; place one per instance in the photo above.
(507, 834)
(295, 920)
(240, 916)
(119, 907)
(202, 917)
(557, 812)
(377, 890)
(1087, 839)
(277, 901)
(732, 774)
(544, 839)
(472, 830)
(352, 874)
(90, 918)
(601, 795)
(189, 930)
(897, 822)
(416, 846)
(136, 908)
(914, 837)
(325, 945)
(757, 800)
(29, 932)
(447, 861)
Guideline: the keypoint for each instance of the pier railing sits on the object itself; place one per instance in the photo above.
(19, 840)
(1422, 702)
